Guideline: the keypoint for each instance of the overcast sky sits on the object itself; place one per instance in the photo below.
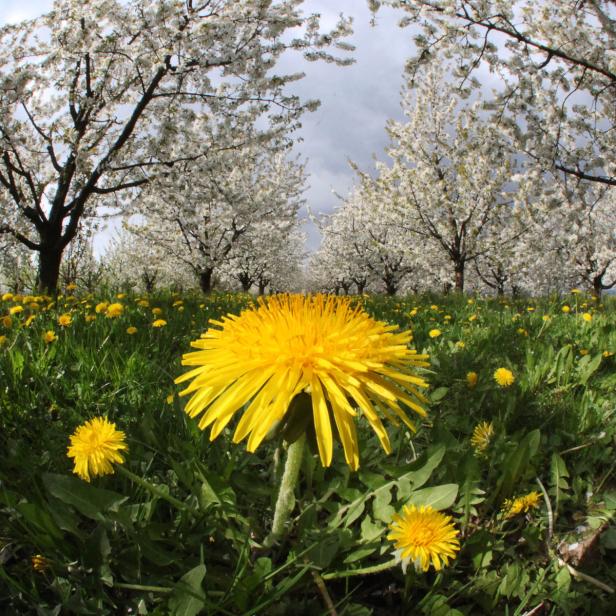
(356, 101)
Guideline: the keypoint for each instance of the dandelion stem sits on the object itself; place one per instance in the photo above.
(365, 571)
(150, 487)
(286, 496)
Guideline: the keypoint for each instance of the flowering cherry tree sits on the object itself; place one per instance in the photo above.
(90, 94)
(198, 213)
(552, 64)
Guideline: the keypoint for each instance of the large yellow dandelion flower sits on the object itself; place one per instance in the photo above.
(522, 504)
(504, 377)
(345, 361)
(94, 446)
(424, 536)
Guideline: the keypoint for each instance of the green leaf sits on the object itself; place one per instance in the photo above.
(188, 596)
(438, 497)
(516, 464)
(416, 478)
(87, 499)
(438, 394)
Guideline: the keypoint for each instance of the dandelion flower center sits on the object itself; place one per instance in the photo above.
(320, 345)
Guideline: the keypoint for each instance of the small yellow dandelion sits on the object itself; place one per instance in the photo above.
(16, 310)
(101, 307)
(29, 320)
(90, 318)
(522, 504)
(49, 336)
(504, 377)
(434, 333)
(566, 309)
(471, 378)
(39, 563)
(3, 339)
(424, 537)
(121, 296)
(157, 311)
(64, 320)
(94, 446)
(7, 297)
(7, 321)
(587, 317)
(607, 353)
(131, 330)
(169, 399)
(482, 435)
(159, 323)
(114, 310)
(472, 318)
(460, 344)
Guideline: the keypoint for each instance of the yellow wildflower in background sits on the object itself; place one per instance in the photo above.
(7, 297)
(71, 286)
(157, 311)
(471, 379)
(7, 321)
(460, 344)
(320, 345)
(473, 317)
(607, 354)
(159, 323)
(522, 504)
(64, 320)
(587, 317)
(95, 446)
(131, 330)
(16, 310)
(3, 339)
(49, 336)
(482, 435)
(424, 537)
(39, 563)
(114, 310)
(101, 307)
(504, 377)
(121, 295)
(29, 320)
(90, 318)
(434, 333)
(566, 309)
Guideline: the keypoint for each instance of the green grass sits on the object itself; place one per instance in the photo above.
(114, 545)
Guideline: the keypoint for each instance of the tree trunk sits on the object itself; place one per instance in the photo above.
(262, 286)
(49, 270)
(459, 272)
(390, 286)
(205, 280)
(246, 282)
(360, 287)
(597, 287)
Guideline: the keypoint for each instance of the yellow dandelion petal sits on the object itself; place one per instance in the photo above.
(322, 346)
(504, 377)
(159, 323)
(131, 330)
(49, 336)
(434, 333)
(587, 317)
(424, 537)
(95, 446)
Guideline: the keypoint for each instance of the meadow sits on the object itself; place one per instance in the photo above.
(517, 449)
